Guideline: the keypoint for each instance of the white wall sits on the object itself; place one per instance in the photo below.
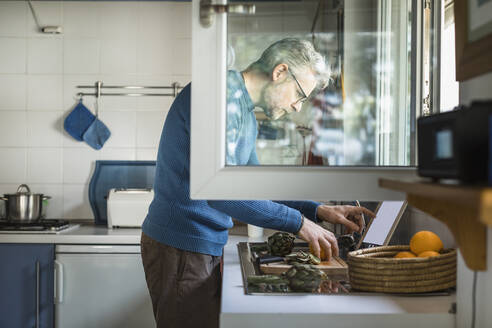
(477, 88)
(119, 43)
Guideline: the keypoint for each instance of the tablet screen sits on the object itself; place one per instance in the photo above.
(383, 226)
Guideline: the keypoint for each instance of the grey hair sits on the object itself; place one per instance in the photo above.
(298, 54)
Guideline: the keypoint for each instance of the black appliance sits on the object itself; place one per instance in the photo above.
(455, 145)
(43, 225)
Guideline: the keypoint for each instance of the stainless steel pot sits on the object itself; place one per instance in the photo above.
(24, 206)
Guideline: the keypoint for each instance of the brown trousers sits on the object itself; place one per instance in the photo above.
(185, 287)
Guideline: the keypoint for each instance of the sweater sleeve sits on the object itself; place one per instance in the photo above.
(261, 213)
(308, 208)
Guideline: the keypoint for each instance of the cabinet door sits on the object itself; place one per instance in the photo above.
(26, 280)
(102, 286)
(359, 128)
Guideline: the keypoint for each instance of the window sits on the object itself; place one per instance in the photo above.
(362, 118)
(360, 128)
(449, 93)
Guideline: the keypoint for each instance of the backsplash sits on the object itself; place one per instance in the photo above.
(119, 43)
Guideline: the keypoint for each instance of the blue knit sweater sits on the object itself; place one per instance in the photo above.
(199, 225)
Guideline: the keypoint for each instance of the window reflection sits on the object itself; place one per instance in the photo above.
(361, 118)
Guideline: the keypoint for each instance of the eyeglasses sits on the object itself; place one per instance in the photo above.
(304, 96)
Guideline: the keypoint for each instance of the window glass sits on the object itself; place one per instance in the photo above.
(449, 86)
(334, 90)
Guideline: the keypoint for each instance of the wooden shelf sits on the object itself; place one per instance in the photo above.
(466, 210)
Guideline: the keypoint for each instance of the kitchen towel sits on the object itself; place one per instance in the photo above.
(78, 121)
(97, 133)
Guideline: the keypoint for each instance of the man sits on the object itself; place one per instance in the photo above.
(183, 239)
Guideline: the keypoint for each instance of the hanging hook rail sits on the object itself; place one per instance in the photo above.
(175, 87)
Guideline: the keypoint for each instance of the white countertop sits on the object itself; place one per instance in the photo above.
(240, 310)
(84, 234)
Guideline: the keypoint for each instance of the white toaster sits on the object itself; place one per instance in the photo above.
(128, 207)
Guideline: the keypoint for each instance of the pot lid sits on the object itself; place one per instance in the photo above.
(22, 190)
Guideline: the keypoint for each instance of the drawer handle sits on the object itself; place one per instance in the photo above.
(37, 294)
(58, 282)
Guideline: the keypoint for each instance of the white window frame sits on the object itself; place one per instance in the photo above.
(211, 179)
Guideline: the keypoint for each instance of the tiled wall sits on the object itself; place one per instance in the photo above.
(119, 43)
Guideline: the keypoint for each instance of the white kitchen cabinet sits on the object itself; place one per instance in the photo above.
(101, 286)
(368, 113)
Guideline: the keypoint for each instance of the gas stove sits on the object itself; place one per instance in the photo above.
(41, 226)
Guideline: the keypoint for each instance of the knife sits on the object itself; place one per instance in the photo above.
(269, 259)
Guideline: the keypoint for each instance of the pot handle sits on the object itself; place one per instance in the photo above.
(23, 186)
(46, 197)
(4, 198)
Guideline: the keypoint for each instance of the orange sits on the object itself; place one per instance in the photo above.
(322, 255)
(425, 241)
(404, 255)
(429, 254)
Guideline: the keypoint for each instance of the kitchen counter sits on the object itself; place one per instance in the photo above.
(86, 233)
(240, 310)
(365, 310)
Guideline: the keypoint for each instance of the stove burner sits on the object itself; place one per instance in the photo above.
(41, 225)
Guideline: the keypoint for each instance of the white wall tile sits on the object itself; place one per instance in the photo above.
(54, 210)
(8, 188)
(122, 126)
(45, 129)
(118, 20)
(118, 56)
(147, 154)
(182, 57)
(157, 103)
(149, 128)
(13, 129)
(13, 55)
(49, 14)
(44, 165)
(81, 56)
(183, 80)
(70, 90)
(182, 20)
(44, 92)
(154, 58)
(117, 154)
(70, 142)
(78, 164)
(119, 43)
(13, 18)
(81, 19)
(13, 165)
(45, 55)
(117, 103)
(12, 92)
(76, 202)
(155, 20)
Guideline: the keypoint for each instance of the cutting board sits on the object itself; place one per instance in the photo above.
(335, 267)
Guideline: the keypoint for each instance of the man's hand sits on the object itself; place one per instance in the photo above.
(350, 216)
(318, 237)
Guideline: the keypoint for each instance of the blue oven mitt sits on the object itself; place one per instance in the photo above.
(78, 121)
(97, 134)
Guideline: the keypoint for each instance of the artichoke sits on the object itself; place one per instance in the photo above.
(304, 277)
(303, 258)
(280, 243)
(268, 283)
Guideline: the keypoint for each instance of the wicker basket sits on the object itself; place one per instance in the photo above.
(375, 270)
